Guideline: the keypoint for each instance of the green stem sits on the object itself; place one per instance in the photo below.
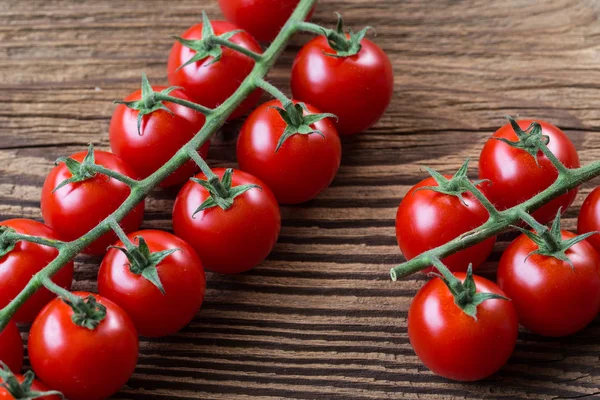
(555, 161)
(234, 46)
(113, 174)
(493, 226)
(485, 202)
(273, 91)
(189, 104)
(57, 244)
(210, 175)
(59, 291)
(312, 28)
(214, 121)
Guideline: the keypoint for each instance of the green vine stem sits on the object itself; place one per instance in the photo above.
(499, 221)
(140, 189)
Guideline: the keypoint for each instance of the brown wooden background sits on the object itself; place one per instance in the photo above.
(320, 318)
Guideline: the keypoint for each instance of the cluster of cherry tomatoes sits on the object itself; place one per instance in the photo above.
(152, 283)
(551, 277)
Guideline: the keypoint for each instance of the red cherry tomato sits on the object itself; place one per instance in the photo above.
(162, 134)
(589, 217)
(36, 386)
(211, 84)
(262, 18)
(11, 348)
(234, 240)
(78, 207)
(427, 219)
(551, 298)
(181, 274)
(515, 175)
(24, 261)
(302, 168)
(453, 344)
(357, 89)
(83, 364)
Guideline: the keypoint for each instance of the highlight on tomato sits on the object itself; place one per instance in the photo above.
(518, 170)
(146, 133)
(462, 326)
(438, 210)
(86, 347)
(15, 386)
(160, 282)
(11, 347)
(76, 198)
(208, 72)
(589, 218)
(346, 75)
(294, 149)
(553, 278)
(263, 19)
(20, 260)
(231, 219)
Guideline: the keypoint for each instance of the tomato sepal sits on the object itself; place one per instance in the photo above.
(7, 244)
(298, 123)
(344, 45)
(530, 140)
(143, 262)
(87, 313)
(549, 240)
(464, 293)
(221, 192)
(22, 391)
(80, 171)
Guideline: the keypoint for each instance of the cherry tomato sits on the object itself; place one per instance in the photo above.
(263, 18)
(234, 240)
(453, 344)
(83, 364)
(589, 217)
(78, 207)
(427, 219)
(211, 84)
(25, 260)
(551, 298)
(11, 348)
(357, 89)
(181, 275)
(302, 168)
(162, 134)
(515, 175)
(36, 386)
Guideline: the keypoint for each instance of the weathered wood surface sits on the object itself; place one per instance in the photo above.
(320, 318)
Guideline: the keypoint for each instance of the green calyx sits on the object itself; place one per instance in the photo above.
(7, 243)
(143, 262)
(549, 240)
(298, 123)
(22, 391)
(221, 192)
(80, 171)
(148, 102)
(205, 47)
(344, 46)
(455, 186)
(465, 293)
(87, 313)
(531, 139)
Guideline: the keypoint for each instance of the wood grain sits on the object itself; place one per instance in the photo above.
(319, 319)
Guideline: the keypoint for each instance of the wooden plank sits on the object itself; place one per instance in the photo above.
(320, 318)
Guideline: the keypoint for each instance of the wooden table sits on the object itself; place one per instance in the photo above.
(320, 318)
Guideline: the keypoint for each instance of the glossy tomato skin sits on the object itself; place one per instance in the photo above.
(357, 89)
(234, 240)
(210, 85)
(162, 134)
(515, 177)
(427, 219)
(24, 261)
(83, 364)
(551, 298)
(36, 386)
(181, 275)
(11, 348)
(589, 218)
(454, 345)
(78, 207)
(303, 167)
(263, 19)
